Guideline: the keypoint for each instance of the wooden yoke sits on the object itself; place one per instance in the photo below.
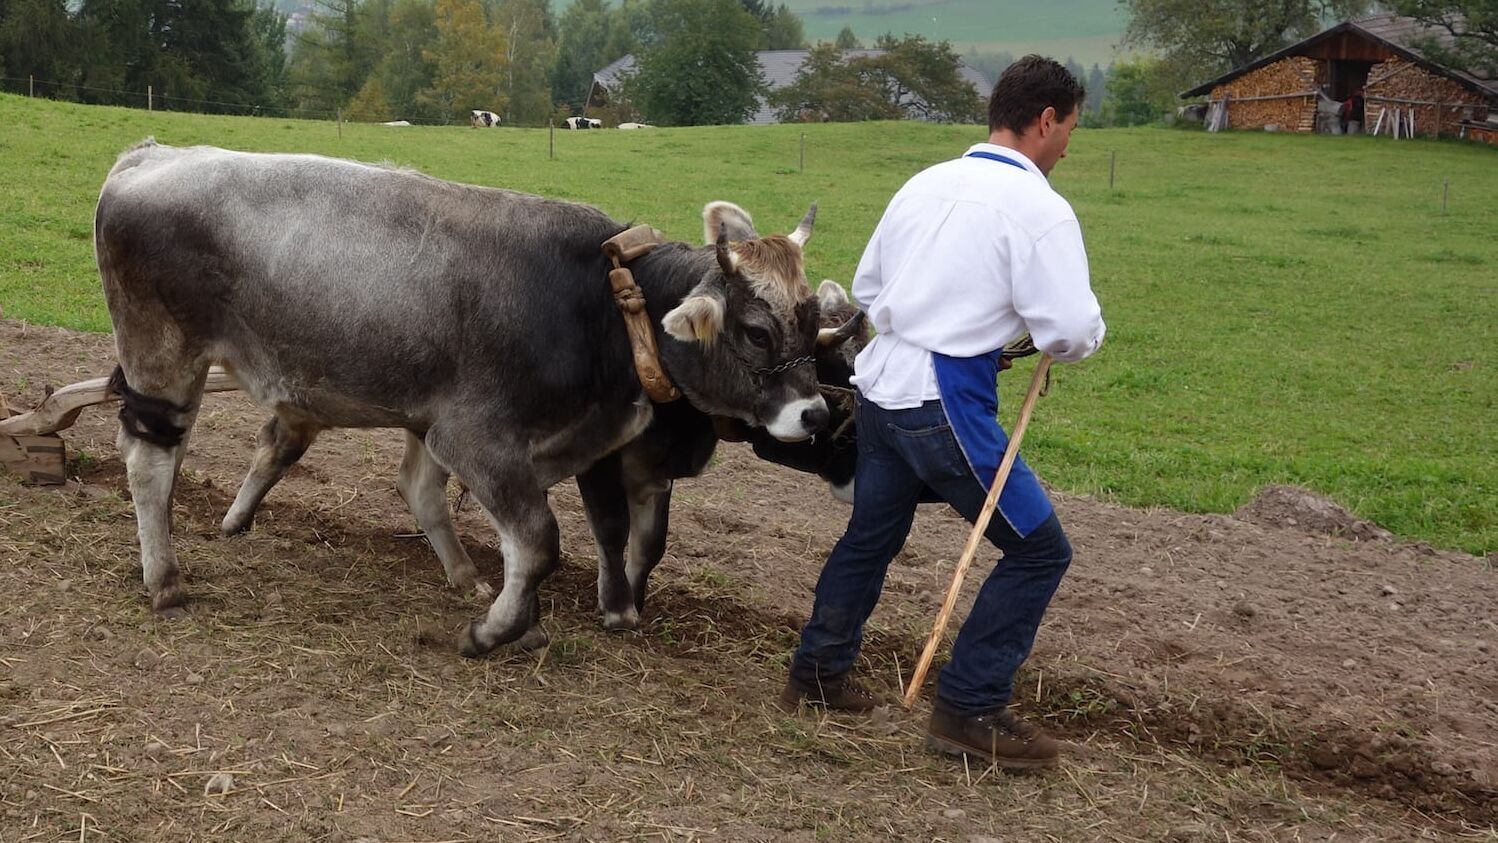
(622, 248)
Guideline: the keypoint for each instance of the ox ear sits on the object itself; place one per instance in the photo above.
(803, 231)
(717, 216)
(699, 318)
(831, 296)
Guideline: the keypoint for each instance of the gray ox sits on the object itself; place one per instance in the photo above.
(479, 320)
(627, 494)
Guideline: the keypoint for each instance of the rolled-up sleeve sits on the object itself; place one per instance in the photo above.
(1053, 294)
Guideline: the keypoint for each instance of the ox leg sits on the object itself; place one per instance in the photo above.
(602, 488)
(280, 444)
(649, 517)
(500, 476)
(155, 422)
(423, 484)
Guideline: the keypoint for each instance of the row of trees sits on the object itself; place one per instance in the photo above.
(201, 50)
(373, 59)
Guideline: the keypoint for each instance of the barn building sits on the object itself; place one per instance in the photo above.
(1303, 87)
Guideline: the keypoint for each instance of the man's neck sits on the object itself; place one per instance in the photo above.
(1019, 143)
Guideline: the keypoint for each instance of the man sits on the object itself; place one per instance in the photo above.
(969, 255)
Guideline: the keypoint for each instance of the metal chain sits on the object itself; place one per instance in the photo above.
(786, 366)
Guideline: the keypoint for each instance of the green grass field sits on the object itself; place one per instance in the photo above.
(1281, 309)
(1086, 30)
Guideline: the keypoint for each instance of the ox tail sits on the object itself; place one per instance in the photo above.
(146, 418)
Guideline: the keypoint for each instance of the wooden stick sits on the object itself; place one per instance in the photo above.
(979, 528)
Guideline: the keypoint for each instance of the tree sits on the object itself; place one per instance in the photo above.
(846, 40)
(468, 59)
(405, 72)
(912, 78)
(37, 38)
(531, 52)
(1213, 36)
(267, 62)
(781, 29)
(924, 78)
(580, 53)
(1131, 99)
(830, 89)
(702, 68)
(329, 62)
(1471, 25)
(1097, 87)
(370, 104)
(631, 29)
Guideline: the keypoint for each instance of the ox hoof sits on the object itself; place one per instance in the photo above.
(534, 639)
(169, 604)
(483, 591)
(629, 619)
(471, 644)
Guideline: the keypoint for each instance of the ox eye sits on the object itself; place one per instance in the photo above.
(758, 336)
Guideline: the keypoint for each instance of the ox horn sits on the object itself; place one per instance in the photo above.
(834, 337)
(803, 231)
(726, 259)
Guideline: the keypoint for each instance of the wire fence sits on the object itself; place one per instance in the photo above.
(154, 100)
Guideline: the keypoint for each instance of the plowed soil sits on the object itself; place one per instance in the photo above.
(1285, 673)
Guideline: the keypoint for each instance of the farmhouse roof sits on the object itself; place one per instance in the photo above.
(1402, 35)
(780, 68)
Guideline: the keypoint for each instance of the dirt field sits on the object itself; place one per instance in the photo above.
(1217, 678)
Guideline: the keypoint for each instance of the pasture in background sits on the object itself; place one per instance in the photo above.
(1281, 309)
(1086, 30)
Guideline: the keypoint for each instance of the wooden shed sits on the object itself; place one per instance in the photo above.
(1302, 87)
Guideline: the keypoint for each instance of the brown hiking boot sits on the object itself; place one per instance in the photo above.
(999, 738)
(840, 695)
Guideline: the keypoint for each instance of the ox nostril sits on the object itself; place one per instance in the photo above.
(815, 418)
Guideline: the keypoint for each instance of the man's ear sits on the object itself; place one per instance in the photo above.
(1048, 120)
(699, 318)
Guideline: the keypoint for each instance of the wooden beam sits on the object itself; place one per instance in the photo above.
(60, 410)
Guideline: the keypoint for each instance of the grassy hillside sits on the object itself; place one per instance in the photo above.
(1084, 29)
(1280, 308)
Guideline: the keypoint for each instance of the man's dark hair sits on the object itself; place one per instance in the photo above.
(1027, 88)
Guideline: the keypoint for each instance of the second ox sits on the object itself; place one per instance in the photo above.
(341, 294)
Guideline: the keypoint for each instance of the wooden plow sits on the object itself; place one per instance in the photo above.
(30, 446)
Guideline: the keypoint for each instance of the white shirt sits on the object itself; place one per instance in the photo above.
(971, 254)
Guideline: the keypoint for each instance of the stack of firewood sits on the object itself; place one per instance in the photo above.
(1437, 104)
(1281, 94)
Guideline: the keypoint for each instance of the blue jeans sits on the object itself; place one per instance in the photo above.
(901, 454)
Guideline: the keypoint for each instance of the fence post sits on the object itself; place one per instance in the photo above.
(1445, 190)
(1112, 167)
(551, 139)
(338, 115)
(150, 98)
(803, 153)
(30, 85)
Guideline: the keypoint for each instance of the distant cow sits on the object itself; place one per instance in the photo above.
(583, 123)
(479, 320)
(482, 119)
(635, 126)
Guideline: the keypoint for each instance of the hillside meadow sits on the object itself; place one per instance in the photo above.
(1281, 309)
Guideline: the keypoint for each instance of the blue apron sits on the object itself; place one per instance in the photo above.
(969, 394)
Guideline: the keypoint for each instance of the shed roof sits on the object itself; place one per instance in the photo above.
(1400, 34)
